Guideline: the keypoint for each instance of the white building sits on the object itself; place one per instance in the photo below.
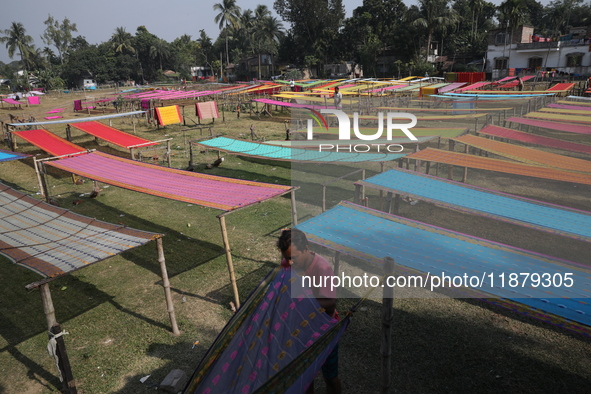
(528, 53)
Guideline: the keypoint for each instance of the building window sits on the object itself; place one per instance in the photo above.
(534, 63)
(501, 39)
(574, 60)
(501, 63)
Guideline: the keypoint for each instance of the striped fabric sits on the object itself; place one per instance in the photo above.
(567, 111)
(569, 106)
(53, 241)
(526, 155)
(33, 100)
(207, 110)
(8, 156)
(207, 190)
(275, 343)
(551, 218)
(294, 105)
(112, 135)
(272, 152)
(418, 247)
(560, 126)
(416, 131)
(12, 101)
(562, 87)
(530, 138)
(485, 163)
(49, 142)
(451, 87)
(560, 117)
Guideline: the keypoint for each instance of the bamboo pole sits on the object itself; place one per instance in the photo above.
(229, 260)
(396, 204)
(465, 177)
(48, 308)
(166, 285)
(294, 211)
(41, 188)
(387, 317)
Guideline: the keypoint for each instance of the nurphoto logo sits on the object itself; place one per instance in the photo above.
(345, 131)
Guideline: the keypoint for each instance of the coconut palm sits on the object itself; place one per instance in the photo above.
(228, 16)
(512, 14)
(159, 49)
(271, 31)
(121, 41)
(435, 15)
(16, 38)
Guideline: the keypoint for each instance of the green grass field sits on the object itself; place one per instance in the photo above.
(115, 313)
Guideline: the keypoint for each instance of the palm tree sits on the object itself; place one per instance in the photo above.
(229, 15)
(16, 38)
(160, 48)
(512, 14)
(435, 15)
(271, 31)
(121, 41)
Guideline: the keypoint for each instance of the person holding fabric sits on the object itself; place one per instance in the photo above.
(338, 98)
(296, 253)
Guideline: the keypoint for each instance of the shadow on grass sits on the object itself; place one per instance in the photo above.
(438, 352)
(183, 356)
(433, 352)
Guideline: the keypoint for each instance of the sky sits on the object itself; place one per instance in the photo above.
(97, 20)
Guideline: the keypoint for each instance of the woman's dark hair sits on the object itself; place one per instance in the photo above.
(290, 236)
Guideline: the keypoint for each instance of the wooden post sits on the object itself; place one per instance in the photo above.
(39, 180)
(294, 211)
(396, 204)
(63, 362)
(12, 139)
(465, 168)
(47, 305)
(69, 133)
(387, 317)
(54, 329)
(168, 153)
(166, 285)
(323, 198)
(357, 198)
(229, 260)
(44, 186)
(388, 207)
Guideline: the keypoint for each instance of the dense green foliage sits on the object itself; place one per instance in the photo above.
(383, 37)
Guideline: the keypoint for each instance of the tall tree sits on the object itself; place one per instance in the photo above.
(435, 15)
(59, 35)
(121, 41)
(228, 16)
(16, 38)
(159, 49)
(315, 25)
(272, 31)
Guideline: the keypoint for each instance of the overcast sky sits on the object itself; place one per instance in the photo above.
(97, 20)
